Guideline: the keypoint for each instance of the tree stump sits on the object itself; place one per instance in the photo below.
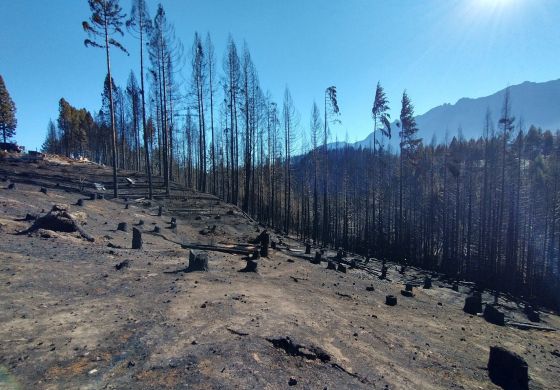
(250, 267)
(256, 254)
(408, 287)
(58, 220)
(317, 258)
(141, 222)
(341, 268)
(157, 229)
(92, 196)
(12, 186)
(273, 244)
(43, 190)
(160, 211)
(532, 314)
(123, 227)
(406, 293)
(493, 315)
(427, 282)
(126, 206)
(80, 202)
(331, 265)
(383, 272)
(390, 300)
(307, 249)
(507, 369)
(339, 254)
(264, 239)
(100, 196)
(136, 238)
(473, 304)
(455, 287)
(370, 288)
(198, 261)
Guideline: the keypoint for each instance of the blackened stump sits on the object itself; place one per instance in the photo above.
(307, 249)
(317, 258)
(473, 304)
(123, 227)
(250, 267)
(391, 300)
(508, 369)
(341, 268)
(331, 265)
(493, 315)
(198, 261)
(136, 238)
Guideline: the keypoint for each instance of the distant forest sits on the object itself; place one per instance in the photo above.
(485, 210)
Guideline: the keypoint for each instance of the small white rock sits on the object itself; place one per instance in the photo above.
(93, 372)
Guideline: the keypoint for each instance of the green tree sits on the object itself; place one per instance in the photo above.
(106, 20)
(51, 142)
(8, 121)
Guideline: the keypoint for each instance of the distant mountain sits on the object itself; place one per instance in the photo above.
(535, 103)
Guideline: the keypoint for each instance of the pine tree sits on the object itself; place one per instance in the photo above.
(106, 20)
(141, 24)
(8, 121)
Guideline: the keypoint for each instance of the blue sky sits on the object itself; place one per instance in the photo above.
(439, 50)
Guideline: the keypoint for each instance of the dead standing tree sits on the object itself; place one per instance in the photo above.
(105, 21)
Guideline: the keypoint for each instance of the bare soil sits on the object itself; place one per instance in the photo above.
(70, 320)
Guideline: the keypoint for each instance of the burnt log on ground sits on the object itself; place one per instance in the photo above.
(58, 220)
(507, 369)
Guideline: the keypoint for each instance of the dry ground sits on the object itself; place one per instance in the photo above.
(70, 320)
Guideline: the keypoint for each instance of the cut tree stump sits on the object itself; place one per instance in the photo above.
(58, 220)
(157, 229)
(160, 211)
(307, 249)
(136, 238)
(390, 300)
(43, 190)
(493, 315)
(473, 304)
(317, 258)
(331, 265)
(198, 261)
(507, 369)
(407, 293)
(11, 186)
(341, 268)
(250, 267)
(80, 202)
(123, 227)
(408, 287)
(427, 282)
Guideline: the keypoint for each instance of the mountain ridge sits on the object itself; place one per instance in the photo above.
(534, 103)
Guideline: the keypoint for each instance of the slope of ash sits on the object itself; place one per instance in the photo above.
(77, 313)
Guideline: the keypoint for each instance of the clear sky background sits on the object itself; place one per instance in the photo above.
(439, 50)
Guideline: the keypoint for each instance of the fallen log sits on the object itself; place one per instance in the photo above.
(529, 326)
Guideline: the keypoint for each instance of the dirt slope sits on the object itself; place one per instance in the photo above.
(70, 319)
